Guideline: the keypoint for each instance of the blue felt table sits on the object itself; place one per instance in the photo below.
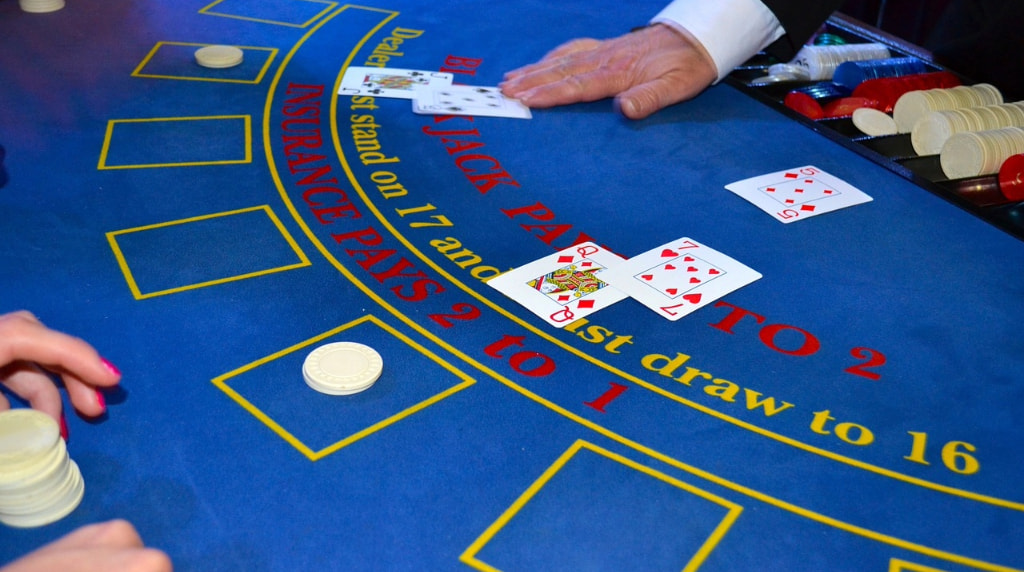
(857, 408)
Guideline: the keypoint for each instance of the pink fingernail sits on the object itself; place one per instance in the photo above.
(113, 369)
(63, 427)
(101, 400)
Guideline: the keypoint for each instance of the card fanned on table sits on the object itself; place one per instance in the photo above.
(679, 277)
(564, 286)
(467, 100)
(674, 280)
(431, 92)
(390, 82)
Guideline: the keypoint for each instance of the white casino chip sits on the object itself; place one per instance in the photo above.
(914, 105)
(39, 483)
(26, 435)
(40, 6)
(873, 122)
(219, 56)
(342, 368)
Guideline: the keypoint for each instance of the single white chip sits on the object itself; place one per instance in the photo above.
(40, 6)
(218, 57)
(873, 122)
(797, 73)
(776, 78)
(342, 368)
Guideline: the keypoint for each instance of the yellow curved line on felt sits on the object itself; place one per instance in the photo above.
(820, 518)
(983, 498)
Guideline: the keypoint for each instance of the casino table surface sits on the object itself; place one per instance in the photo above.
(857, 408)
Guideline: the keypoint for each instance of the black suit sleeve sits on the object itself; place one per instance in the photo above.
(800, 19)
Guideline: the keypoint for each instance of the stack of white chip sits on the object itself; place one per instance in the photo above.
(932, 131)
(912, 106)
(39, 483)
(342, 368)
(976, 153)
(821, 61)
(41, 6)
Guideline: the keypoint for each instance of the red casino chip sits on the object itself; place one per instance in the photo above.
(1011, 177)
(804, 104)
(888, 90)
(845, 106)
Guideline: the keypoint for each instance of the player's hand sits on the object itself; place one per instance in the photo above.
(102, 547)
(646, 70)
(26, 344)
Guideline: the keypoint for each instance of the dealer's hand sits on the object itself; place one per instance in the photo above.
(26, 344)
(102, 547)
(646, 70)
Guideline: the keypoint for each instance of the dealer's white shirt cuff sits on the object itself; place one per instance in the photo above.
(730, 30)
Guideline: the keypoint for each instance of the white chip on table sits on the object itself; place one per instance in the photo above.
(41, 6)
(342, 368)
(219, 56)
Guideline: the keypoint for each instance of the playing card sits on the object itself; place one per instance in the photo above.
(389, 82)
(564, 286)
(680, 277)
(467, 100)
(798, 193)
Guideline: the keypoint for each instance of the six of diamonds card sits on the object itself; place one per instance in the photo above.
(679, 277)
(563, 286)
(798, 193)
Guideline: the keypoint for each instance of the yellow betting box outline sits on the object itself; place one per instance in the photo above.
(583, 421)
(733, 510)
(152, 53)
(897, 565)
(139, 295)
(329, 6)
(114, 122)
(222, 383)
